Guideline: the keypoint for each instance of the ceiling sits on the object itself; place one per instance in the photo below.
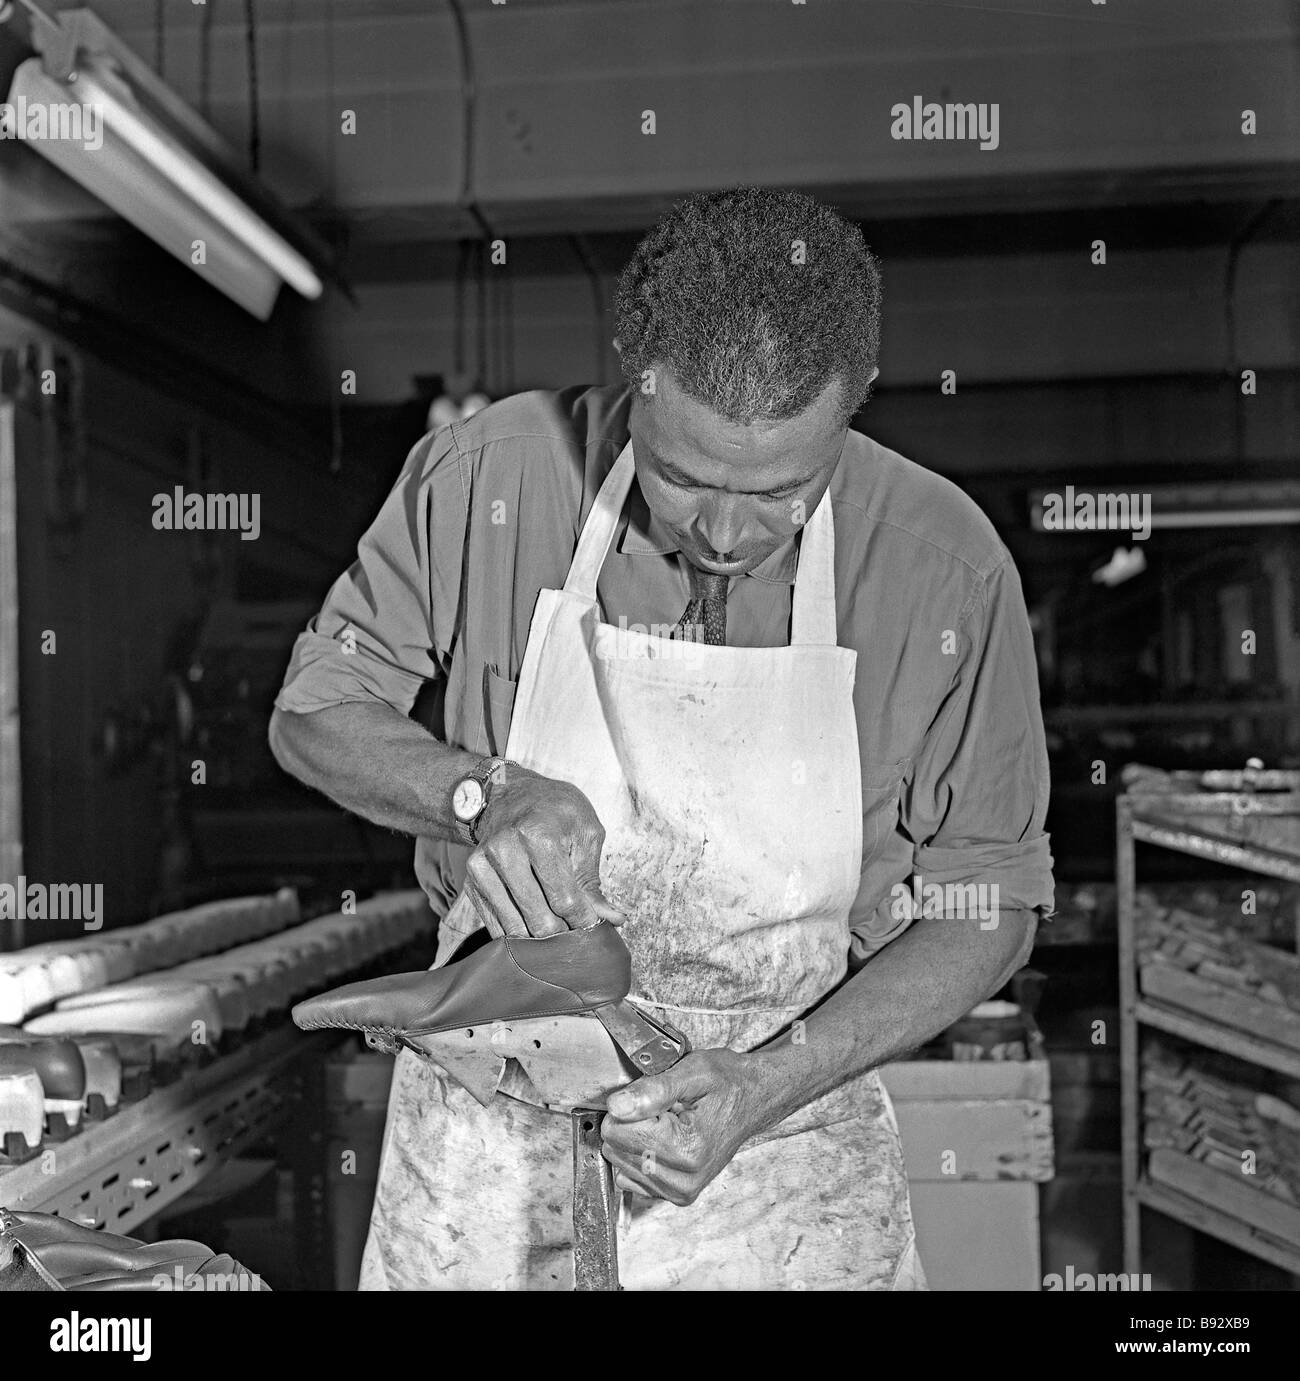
(526, 119)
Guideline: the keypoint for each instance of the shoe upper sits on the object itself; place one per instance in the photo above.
(509, 979)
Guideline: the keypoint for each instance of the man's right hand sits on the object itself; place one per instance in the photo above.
(536, 870)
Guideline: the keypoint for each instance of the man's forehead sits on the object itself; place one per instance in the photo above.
(672, 416)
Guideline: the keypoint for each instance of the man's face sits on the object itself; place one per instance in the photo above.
(731, 494)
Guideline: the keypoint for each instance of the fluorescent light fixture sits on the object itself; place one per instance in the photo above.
(194, 181)
(1227, 517)
(1231, 503)
(122, 180)
(148, 156)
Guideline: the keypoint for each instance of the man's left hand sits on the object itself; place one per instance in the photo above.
(669, 1134)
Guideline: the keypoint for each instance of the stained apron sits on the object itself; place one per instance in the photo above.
(728, 783)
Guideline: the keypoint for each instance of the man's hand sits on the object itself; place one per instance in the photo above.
(536, 870)
(669, 1135)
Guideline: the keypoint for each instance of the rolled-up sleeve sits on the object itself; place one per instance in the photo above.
(972, 802)
(976, 803)
(386, 625)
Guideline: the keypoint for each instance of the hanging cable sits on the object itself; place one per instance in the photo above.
(481, 381)
(500, 277)
(254, 123)
(1239, 242)
(205, 59)
(508, 333)
(336, 430)
(588, 262)
(467, 97)
(469, 109)
(463, 251)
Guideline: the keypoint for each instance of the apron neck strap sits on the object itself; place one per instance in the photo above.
(598, 531)
(812, 618)
(813, 613)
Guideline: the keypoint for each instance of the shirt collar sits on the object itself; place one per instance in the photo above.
(644, 535)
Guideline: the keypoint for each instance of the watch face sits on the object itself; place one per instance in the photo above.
(467, 799)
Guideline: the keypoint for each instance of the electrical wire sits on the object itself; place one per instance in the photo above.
(501, 284)
(467, 199)
(469, 111)
(254, 123)
(1239, 242)
(463, 250)
(482, 256)
(508, 342)
(205, 58)
(159, 36)
(588, 262)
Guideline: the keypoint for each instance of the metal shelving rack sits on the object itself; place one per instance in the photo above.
(1249, 820)
(118, 1173)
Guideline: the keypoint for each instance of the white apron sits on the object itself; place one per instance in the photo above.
(727, 781)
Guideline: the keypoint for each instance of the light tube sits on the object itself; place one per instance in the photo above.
(197, 183)
(116, 175)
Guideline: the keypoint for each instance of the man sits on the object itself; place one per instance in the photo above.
(753, 677)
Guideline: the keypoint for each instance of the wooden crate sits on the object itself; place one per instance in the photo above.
(358, 1077)
(356, 1095)
(977, 1142)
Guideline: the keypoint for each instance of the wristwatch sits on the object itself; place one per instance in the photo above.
(470, 795)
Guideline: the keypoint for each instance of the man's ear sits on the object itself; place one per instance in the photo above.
(875, 374)
(618, 346)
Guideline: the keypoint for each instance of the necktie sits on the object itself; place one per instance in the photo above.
(705, 617)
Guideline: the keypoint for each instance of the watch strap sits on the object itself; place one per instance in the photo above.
(484, 771)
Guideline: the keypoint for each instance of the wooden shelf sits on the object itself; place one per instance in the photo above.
(1162, 712)
(1225, 1226)
(1217, 847)
(1248, 820)
(1217, 1036)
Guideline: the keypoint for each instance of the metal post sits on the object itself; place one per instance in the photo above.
(1131, 1124)
(11, 799)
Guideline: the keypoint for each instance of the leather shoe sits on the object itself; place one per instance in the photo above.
(508, 979)
(40, 1251)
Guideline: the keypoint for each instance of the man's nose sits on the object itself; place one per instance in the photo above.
(721, 523)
